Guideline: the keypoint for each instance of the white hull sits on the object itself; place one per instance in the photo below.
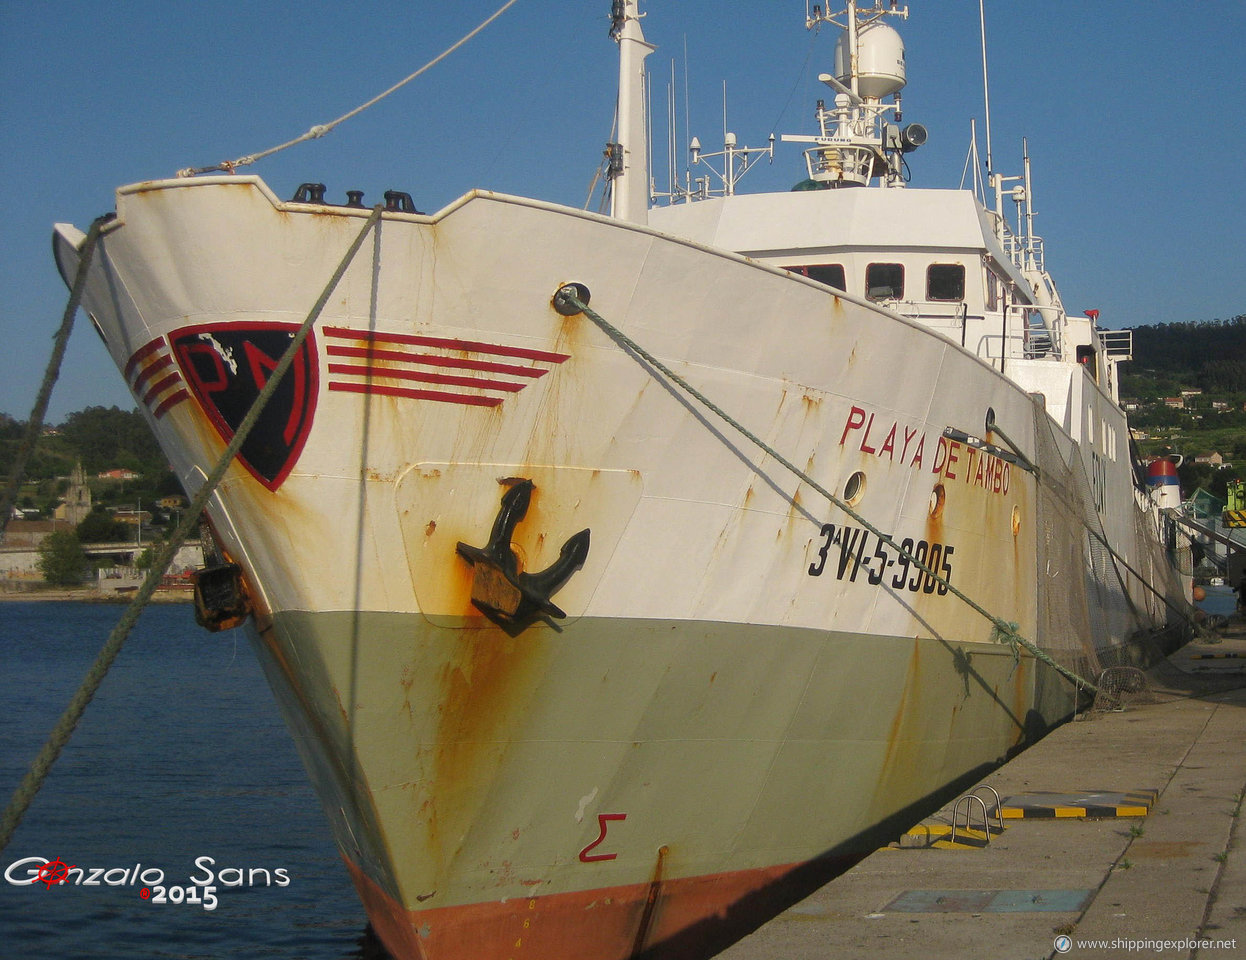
(746, 679)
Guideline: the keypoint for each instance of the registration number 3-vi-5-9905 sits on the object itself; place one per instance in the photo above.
(854, 555)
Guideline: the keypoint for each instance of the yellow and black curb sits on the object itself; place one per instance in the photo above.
(938, 836)
(1089, 805)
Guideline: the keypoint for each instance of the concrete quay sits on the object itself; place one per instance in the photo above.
(1169, 884)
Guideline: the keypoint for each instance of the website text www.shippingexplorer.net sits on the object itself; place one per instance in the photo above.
(1071, 946)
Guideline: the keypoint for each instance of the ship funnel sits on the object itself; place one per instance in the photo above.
(1163, 483)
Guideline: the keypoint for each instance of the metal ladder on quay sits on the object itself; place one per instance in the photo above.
(967, 803)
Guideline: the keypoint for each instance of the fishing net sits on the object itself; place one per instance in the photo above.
(1095, 612)
(1122, 687)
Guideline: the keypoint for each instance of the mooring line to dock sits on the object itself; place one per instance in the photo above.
(34, 426)
(65, 727)
(1007, 631)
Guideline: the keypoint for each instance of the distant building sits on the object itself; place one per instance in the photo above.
(118, 474)
(77, 502)
(1178, 402)
(131, 516)
(171, 503)
(1213, 458)
(31, 533)
(1191, 393)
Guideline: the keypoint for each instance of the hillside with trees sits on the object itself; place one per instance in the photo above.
(1188, 382)
(101, 438)
(1206, 355)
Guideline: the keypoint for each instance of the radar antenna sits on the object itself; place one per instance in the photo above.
(859, 138)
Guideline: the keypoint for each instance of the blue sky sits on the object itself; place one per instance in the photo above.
(1133, 109)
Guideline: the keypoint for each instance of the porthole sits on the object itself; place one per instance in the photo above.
(854, 489)
(937, 498)
(1016, 520)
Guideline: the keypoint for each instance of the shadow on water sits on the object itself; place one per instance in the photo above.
(369, 947)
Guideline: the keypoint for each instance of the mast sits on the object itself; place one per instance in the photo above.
(986, 88)
(859, 139)
(854, 48)
(629, 166)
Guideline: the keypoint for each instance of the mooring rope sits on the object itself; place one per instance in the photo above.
(34, 427)
(64, 728)
(1008, 631)
(321, 129)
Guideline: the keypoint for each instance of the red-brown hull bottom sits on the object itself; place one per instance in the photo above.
(686, 919)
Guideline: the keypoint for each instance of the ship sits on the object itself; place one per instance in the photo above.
(623, 577)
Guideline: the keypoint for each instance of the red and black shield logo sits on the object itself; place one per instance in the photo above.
(227, 367)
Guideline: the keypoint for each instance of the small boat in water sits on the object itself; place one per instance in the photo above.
(623, 578)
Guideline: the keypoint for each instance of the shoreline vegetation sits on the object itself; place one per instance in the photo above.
(49, 594)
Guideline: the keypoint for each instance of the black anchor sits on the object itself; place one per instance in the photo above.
(513, 599)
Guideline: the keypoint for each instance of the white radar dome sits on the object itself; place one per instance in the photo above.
(880, 61)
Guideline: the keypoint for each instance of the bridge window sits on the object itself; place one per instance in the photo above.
(884, 281)
(945, 281)
(832, 274)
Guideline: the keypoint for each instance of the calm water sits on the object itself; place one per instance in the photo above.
(1221, 600)
(181, 755)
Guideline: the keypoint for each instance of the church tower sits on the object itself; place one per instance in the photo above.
(77, 503)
